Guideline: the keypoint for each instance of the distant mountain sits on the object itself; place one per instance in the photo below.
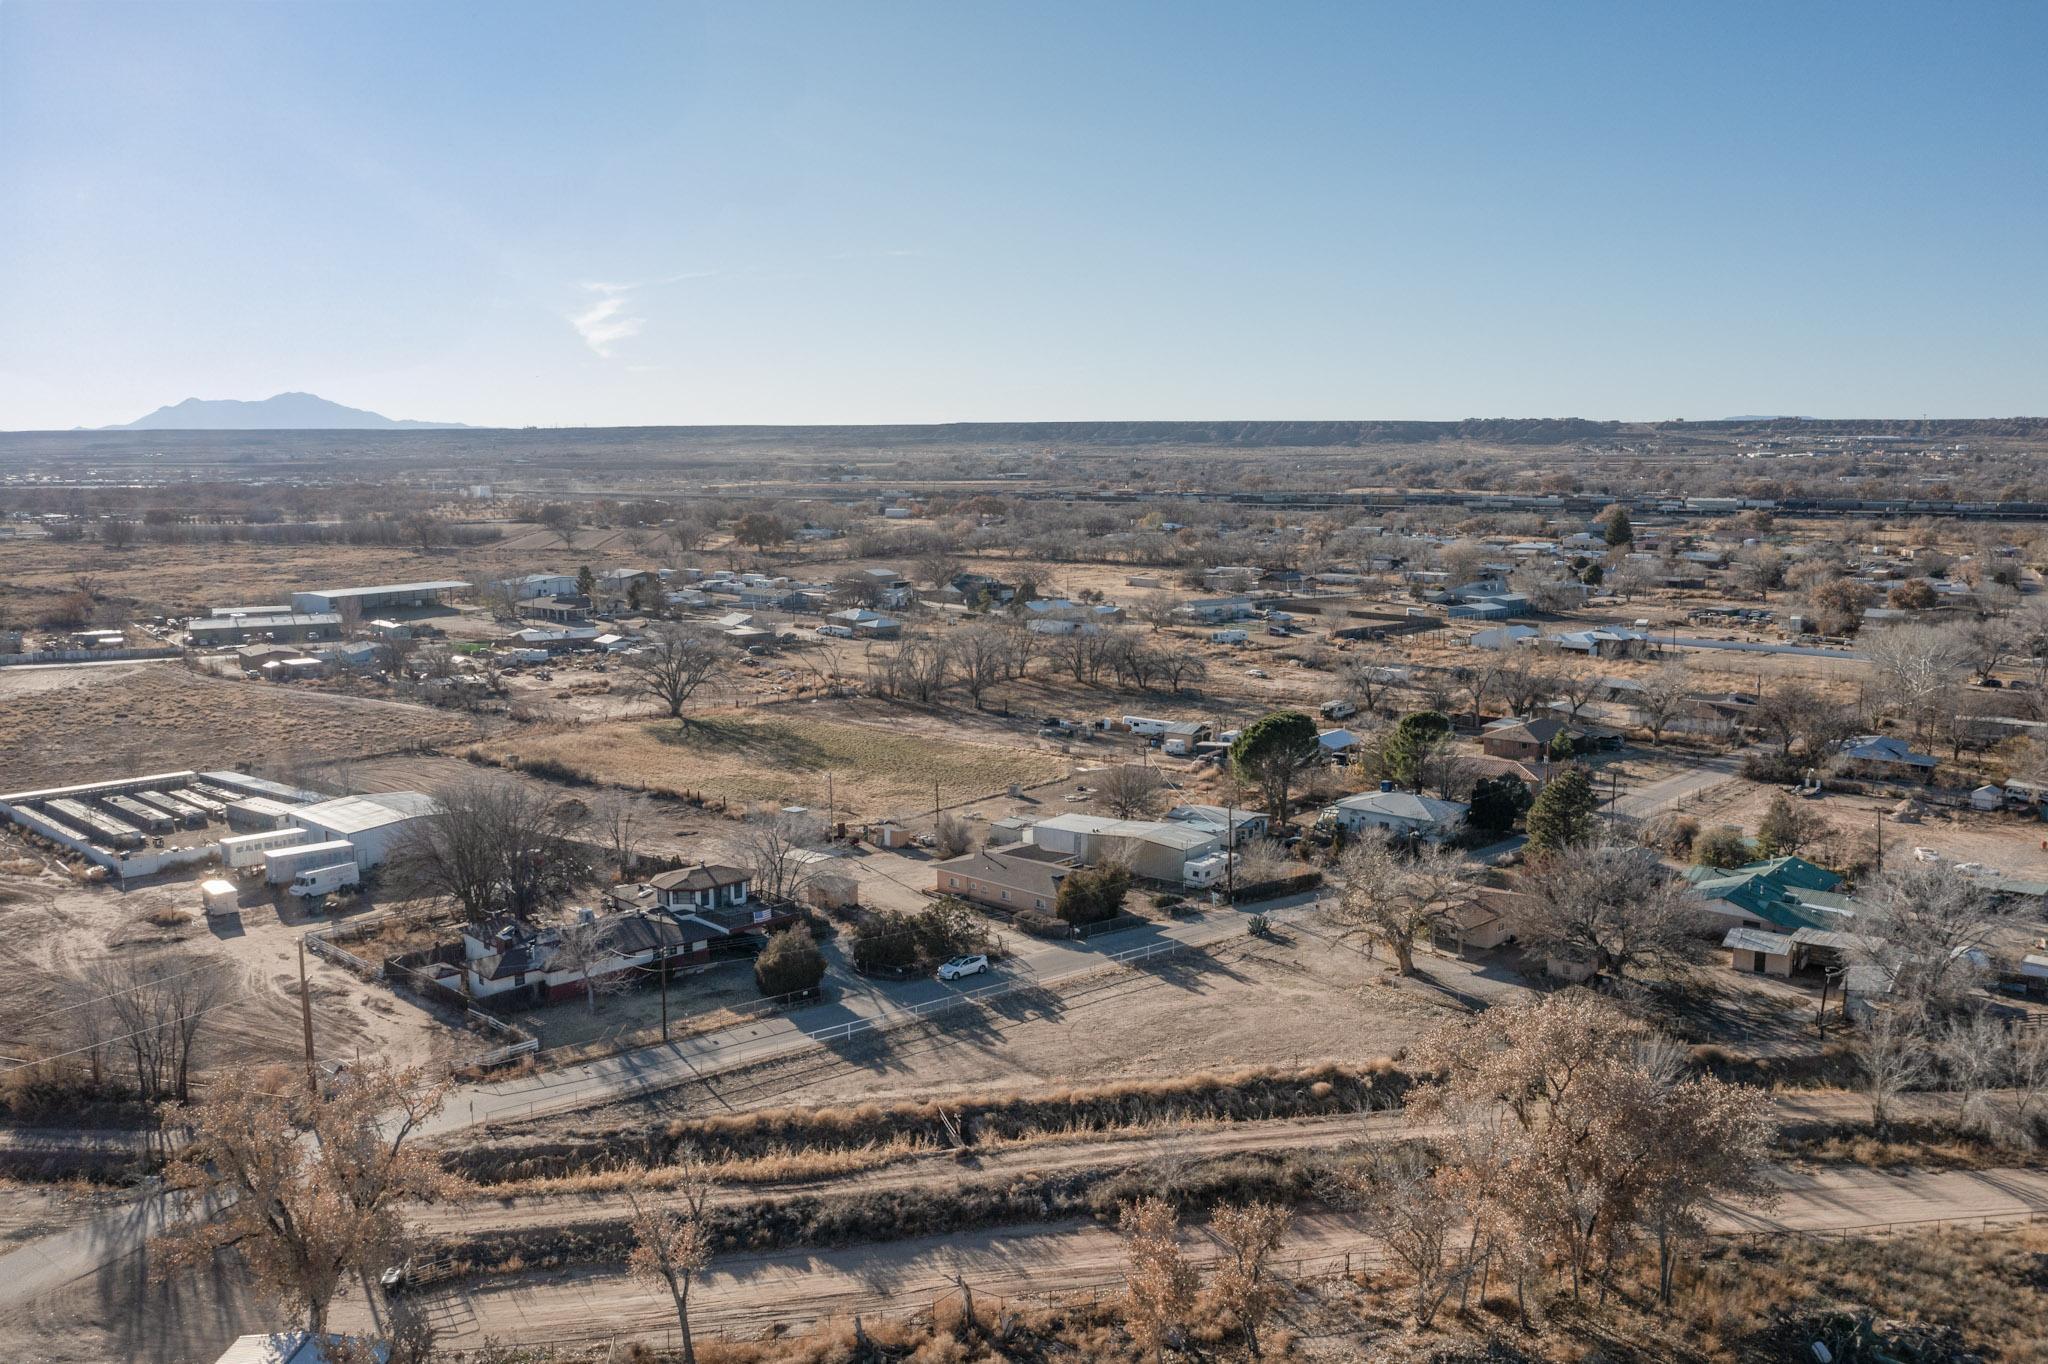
(285, 412)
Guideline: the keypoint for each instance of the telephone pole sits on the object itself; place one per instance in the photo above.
(306, 1018)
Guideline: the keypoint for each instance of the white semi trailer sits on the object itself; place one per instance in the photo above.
(283, 864)
(242, 851)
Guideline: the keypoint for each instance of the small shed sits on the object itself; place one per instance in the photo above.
(1987, 798)
(219, 897)
(888, 833)
(1754, 950)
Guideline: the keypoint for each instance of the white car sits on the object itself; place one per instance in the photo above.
(961, 967)
(1926, 855)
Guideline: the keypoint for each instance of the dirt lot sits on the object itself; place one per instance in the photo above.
(882, 760)
(80, 724)
(1299, 998)
(53, 930)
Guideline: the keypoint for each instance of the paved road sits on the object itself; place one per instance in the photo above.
(745, 1295)
(1743, 646)
(857, 1005)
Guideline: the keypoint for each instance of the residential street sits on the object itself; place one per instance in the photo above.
(856, 1005)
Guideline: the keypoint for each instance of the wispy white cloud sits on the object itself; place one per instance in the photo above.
(613, 314)
(605, 323)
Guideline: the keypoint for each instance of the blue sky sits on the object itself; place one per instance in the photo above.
(618, 213)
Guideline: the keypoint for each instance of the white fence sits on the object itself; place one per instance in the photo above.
(84, 656)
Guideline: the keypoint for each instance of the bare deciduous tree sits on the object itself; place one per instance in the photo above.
(1159, 1283)
(1925, 927)
(1392, 897)
(1612, 906)
(313, 1180)
(672, 1244)
(623, 820)
(153, 1014)
(779, 849)
(494, 847)
(1663, 696)
(1244, 1288)
(1129, 791)
(672, 665)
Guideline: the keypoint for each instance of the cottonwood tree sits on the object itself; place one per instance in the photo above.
(1663, 697)
(1916, 668)
(583, 949)
(559, 519)
(1392, 898)
(1180, 669)
(1578, 682)
(780, 848)
(153, 1014)
(1893, 1052)
(1244, 1285)
(307, 1183)
(980, 657)
(1925, 928)
(1411, 1209)
(1523, 684)
(495, 847)
(1370, 677)
(673, 1242)
(1159, 1281)
(623, 819)
(1130, 791)
(672, 665)
(1589, 1132)
(1612, 906)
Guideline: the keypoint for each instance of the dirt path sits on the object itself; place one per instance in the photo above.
(1052, 1156)
(743, 1296)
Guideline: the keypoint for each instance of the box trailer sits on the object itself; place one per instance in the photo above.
(318, 881)
(248, 850)
(219, 897)
(283, 864)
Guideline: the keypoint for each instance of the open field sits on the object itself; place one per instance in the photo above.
(86, 724)
(784, 756)
(52, 932)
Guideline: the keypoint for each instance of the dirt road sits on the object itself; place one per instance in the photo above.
(743, 1296)
(1053, 1156)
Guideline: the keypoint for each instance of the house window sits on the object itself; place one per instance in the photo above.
(1006, 895)
(1039, 904)
(953, 881)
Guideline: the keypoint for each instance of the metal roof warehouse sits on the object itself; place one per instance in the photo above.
(390, 594)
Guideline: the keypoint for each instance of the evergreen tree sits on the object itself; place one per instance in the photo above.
(1616, 528)
(1409, 743)
(1564, 812)
(1497, 802)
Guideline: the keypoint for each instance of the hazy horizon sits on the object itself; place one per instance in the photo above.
(810, 214)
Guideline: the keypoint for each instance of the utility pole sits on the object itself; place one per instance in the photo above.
(1230, 846)
(306, 1018)
(662, 962)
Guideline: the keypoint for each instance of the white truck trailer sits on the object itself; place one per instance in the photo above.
(318, 881)
(282, 864)
(219, 897)
(242, 851)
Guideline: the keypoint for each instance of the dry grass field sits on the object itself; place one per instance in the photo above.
(746, 758)
(86, 724)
